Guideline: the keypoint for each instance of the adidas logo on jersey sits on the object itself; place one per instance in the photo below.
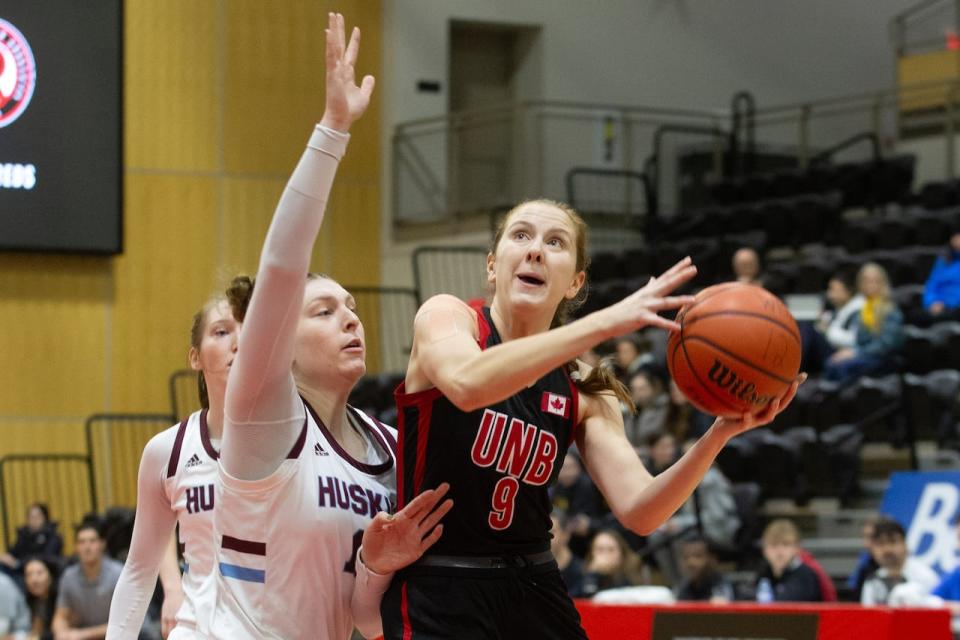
(320, 451)
(194, 461)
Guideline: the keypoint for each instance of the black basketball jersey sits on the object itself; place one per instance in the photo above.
(499, 460)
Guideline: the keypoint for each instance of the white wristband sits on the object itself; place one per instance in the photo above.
(370, 578)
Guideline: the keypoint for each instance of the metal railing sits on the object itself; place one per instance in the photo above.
(435, 178)
(924, 26)
(526, 151)
(62, 481)
(387, 314)
(458, 271)
(184, 394)
(115, 442)
(625, 194)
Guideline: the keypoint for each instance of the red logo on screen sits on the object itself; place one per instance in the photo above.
(18, 73)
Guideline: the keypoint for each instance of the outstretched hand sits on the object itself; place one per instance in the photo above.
(731, 427)
(640, 308)
(346, 101)
(392, 542)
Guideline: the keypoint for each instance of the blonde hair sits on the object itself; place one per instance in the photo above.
(781, 531)
(883, 303)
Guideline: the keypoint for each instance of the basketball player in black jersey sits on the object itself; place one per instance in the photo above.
(493, 397)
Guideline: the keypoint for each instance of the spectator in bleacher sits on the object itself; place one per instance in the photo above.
(575, 494)
(14, 614)
(746, 266)
(83, 597)
(711, 512)
(785, 577)
(37, 538)
(866, 565)
(896, 569)
(701, 579)
(941, 293)
(40, 577)
(650, 407)
(610, 564)
(632, 352)
(660, 451)
(879, 331)
(684, 421)
(571, 567)
(836, 327)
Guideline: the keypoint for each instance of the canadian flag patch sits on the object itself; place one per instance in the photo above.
(556, 404)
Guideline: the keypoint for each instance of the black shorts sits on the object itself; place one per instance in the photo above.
(434, 603)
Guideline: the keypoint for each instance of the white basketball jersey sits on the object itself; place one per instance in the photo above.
(190, 479)
(287, 543)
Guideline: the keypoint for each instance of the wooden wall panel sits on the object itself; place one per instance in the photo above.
(165, 276)
(220, 98)
(171, 86)
(273, 85)
(41, 434)
(53, 334)
(348, 247)
(248, 208)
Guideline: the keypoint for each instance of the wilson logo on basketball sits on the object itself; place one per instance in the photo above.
(721, 376)
(18, 73)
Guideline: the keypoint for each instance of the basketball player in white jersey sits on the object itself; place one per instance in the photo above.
(178, 471)
(302, 474)
(176, 486)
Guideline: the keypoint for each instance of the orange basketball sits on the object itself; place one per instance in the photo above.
(738, 348)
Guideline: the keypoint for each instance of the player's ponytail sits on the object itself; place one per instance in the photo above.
(601, 381)
(239, 292)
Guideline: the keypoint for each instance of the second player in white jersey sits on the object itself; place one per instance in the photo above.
(190, 481)
(288, 542)
(178, 471)
(182, 463)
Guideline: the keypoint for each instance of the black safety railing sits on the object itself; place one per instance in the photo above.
(387, 314)
(184, 393)
(63, 481)
(115, 442)
(460, 271)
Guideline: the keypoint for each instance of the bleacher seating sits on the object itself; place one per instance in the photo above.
(860, 183)
(806, 226)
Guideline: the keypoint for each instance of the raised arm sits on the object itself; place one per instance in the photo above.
(263, 411)
(640, 501)
(446, 355)
(153, 527)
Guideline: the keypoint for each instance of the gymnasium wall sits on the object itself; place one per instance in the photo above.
(220, 98)
(662, 53)
(665, 53)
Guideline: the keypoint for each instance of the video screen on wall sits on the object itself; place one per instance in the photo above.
(60, 126)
